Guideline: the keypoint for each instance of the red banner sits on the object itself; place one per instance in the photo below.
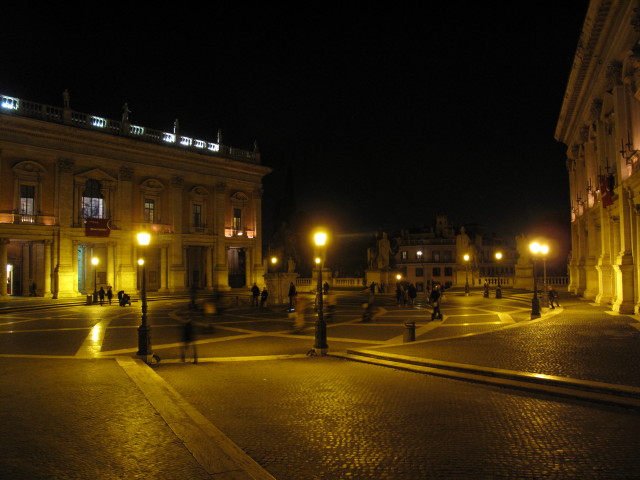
(97, 227)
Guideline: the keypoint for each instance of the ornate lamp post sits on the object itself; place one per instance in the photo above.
(499, 287)
(144, 331)
(466, 274)
(320, 346)
(544, 249)
(94, 262)
(536, 248)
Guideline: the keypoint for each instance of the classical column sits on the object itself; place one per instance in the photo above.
(111, 264)
(209, 267)
(605, 272)
(47, 269)
(163, 268)
(624, 267)
(3, 267)
(25, 278)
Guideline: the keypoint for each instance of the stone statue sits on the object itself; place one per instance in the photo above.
(291, 265)
(384, 251)
(372, 258)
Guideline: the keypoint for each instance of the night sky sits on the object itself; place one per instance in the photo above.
(387, 115)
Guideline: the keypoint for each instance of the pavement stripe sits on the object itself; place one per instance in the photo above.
(213, 450)
(93, 343)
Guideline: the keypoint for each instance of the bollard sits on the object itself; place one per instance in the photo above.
(409, 332)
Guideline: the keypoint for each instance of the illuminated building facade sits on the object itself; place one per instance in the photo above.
(77, 187)
(600, 124)
(435, 254)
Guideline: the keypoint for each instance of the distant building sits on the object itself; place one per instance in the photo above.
(600, 124)
(74, 187)
(435, 254)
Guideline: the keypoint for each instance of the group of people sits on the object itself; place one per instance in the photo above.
(123, 298)
(258, 296)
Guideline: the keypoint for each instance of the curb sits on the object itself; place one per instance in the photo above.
(213, 450)
(620, 395)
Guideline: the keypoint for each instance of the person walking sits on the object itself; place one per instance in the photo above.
(101, 294)
(434, 300)
(293, 293)
(109, 294)
(263, 297)
(412, 292)
(553, 297)
(255, 293)
(188, 341)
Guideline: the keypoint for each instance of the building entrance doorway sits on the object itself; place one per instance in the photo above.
(237, 268)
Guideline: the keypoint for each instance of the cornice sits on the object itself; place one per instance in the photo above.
(20, 130)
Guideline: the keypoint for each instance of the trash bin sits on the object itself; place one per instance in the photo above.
(409, 331)
(89, 299)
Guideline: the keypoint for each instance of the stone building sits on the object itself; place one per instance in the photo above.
(600, 125)
(76, 187)
(435, 254)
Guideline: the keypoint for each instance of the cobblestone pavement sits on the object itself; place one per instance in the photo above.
(584, 342)
(320, 417)
(80, 419)
(327, 418)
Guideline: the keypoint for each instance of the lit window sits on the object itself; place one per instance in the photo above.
(92, 200)
(237, 219)
(149, 210)
(403, 255)
(27, 199)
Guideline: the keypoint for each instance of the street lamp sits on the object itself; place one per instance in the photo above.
(94, 262)
(144, 331)
(466, 274)
(499, 287)
(536, 249)
(320, 346)
(274, 269)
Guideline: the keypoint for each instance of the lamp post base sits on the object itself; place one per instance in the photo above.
(320, 351)
(144, 342)
(535, 307)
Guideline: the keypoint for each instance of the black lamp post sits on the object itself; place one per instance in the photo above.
(535, 301)
(144, 331)
(94, 262)
(499, 287)
(320, 346)
(466, 274)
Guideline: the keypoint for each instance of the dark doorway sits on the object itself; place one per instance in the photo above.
(237, 268)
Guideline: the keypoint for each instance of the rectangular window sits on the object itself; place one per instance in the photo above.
(197, 215)
(403, 255)
(149, 210)
(436, 272)
(435, 256)
(27, 199)
(237, 219)
(419, 272)
(448, 272)
(446, 256)
(92, 207)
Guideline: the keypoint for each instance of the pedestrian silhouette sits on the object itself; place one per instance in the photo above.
(188, 341)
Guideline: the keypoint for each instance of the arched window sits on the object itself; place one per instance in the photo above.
(92, 200)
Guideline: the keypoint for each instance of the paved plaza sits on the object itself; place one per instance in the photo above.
(485, 393)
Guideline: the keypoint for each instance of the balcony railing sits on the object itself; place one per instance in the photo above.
(19, 107)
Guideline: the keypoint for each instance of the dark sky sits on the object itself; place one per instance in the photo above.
(388, 115)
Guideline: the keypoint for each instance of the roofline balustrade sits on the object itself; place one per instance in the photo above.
(65, 116)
